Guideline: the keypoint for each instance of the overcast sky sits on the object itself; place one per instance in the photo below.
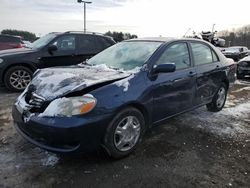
(141, 17)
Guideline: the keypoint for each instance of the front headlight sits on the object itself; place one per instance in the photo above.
(66, 107)
(1, 60)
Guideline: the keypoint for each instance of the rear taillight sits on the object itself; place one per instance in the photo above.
(19, 46)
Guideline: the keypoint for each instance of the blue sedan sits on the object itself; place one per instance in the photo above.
(113, 98)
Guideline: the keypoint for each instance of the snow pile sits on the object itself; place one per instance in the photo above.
(230, 121)
(242, 89)
(50, 160)
(54, 82)
(124, 83)
(239, 111)
(102, 67)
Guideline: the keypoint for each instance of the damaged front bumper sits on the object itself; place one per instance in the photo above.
(62, 134)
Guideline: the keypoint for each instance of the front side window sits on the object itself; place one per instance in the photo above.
(178, 54)
(202, 53)
(65, 43)
(215, 57)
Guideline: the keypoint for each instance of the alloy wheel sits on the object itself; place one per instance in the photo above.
(221, 97)
(20, 79)
(127, 133)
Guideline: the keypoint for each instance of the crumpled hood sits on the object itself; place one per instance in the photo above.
(17, 51)
(52, 83)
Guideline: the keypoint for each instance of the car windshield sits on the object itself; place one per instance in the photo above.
(39, 43)
(125, 55)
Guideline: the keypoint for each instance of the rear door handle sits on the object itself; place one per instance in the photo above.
(192, 74)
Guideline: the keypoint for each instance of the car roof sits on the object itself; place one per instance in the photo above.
(82, 33)
(165, 39)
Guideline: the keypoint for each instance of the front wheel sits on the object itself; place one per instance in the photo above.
(17, 78)
(124, 133)
(219, 99)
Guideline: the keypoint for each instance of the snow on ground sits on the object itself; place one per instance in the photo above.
(50, 160)
(242, 89)
(232, 121)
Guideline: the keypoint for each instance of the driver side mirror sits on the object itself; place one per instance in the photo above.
(164, 68)
(52, 48)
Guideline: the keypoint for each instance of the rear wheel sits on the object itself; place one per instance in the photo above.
(17, 78)
(124, 133)
(219, 99)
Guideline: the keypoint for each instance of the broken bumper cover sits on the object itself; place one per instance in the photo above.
(63, 134)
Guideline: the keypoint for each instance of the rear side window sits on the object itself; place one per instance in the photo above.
(202, 53)
(103, 43)
(178, 54)
(87, 43)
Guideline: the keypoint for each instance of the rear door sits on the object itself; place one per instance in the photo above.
(174, 92)
(87, 47)
(66, 53)
(208, 68)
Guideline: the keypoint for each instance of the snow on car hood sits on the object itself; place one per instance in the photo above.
(51, 83)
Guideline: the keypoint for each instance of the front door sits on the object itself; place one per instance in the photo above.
(174, 92)
(66, 53)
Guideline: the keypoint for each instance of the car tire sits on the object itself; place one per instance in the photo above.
(128, 124)
(17, 78)
(219, 99)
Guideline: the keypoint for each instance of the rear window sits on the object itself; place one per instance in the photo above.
(10, 39)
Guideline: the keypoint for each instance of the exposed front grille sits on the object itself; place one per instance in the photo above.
(36, 100)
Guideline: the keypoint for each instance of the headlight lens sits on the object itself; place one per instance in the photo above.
(67, 107)
(1, 60)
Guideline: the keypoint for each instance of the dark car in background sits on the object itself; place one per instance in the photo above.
(54, 49)
(10, 42)
(112, 99)
(243, 67)
(236, 52)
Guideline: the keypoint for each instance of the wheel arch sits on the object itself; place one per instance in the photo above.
(141, 108)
